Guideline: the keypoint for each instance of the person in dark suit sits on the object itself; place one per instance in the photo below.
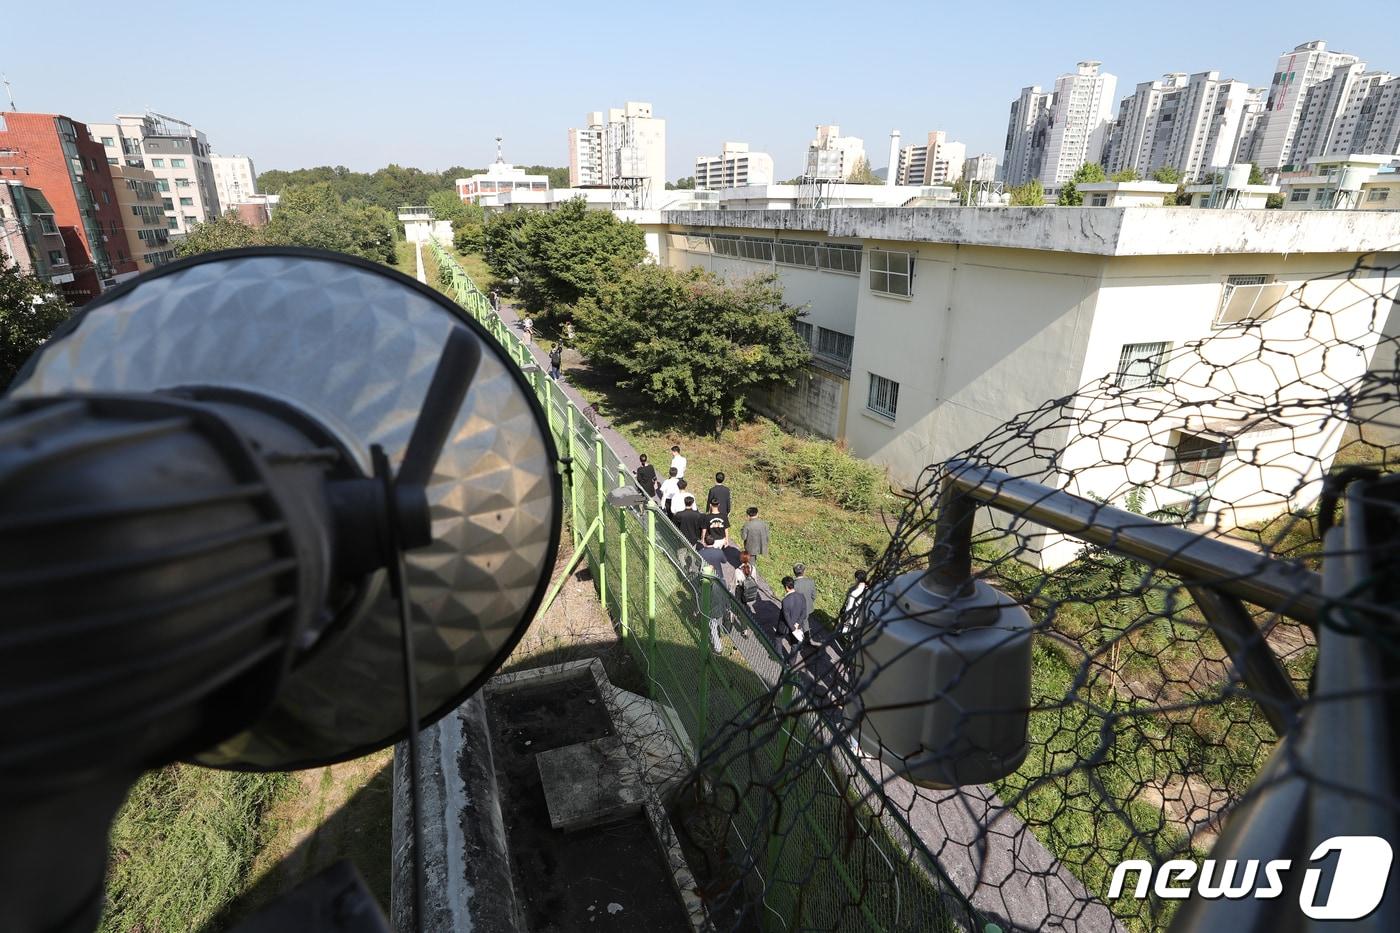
(720, 493)
(793, 614)
(646, 477)
(691, 523)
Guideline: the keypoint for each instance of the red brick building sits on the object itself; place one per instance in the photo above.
(56, 155)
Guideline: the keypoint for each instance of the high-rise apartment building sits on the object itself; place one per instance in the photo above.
(1276, 144)
(624, 144)
(1025, 135)
(831, 156)
(55, 154)
(980, 167)
(235, 179)
(177, 154)
(937, 162)
(1079, 120)
(733, 167)
(1194, 124)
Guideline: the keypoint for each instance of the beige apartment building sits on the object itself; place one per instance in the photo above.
(143, 213)
(932, 328)
(177, 154)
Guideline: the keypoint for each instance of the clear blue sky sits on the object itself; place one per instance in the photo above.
(305, 82)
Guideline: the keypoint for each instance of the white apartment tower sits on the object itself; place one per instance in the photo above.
(1194, 124)
(938, 162)
(235, 179)
(1079, 120)
(1025, 135)
(980, 168)
(179, 157)
(626, 142)
(1276, 140)
(734, 167)
(831, 156)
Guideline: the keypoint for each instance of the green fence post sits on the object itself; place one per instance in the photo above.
(775, 836)
(622, 554)
(651, 586)
(598, 472)
(573, 474)
(707, 608)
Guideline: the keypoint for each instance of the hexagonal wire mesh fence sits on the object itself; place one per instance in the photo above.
(1114, 622)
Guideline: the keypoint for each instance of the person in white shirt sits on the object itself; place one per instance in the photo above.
(851, 613)
(669, 487)
(677, 461)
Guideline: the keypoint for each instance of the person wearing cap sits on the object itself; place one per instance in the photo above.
(804, 585)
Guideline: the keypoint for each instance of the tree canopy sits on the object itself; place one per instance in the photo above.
(691, 343)
(1030, 194)
(563, 255)
(308, 215)
(681, 184)
(29, 312)
(1087, 173)
(1128, 174)
(861, 174)
(390, 187)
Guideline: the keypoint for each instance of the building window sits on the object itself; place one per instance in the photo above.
(162, 184)
(189, 221)
(1320, 194)
(884, 396)
(795, 253)
(167, 204)
(173, 223)
(891, 272)
(1196, 458)
(835, 345)
(182, 183)
(804, 330)
(106, 198)
(1248, 298)
(187, 202)
(112, 160)
(177, 163)
(1098, 200)
(47, 225)
(157, 163)
(1140, 364)
(108, 141)
(56, 258)
(839, 257)
(1300, 194)
(1378, 194)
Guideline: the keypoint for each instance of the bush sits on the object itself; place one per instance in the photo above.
(820, 469)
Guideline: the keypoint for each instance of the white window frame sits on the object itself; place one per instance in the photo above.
(889, 267)
(1134, 357)
(883, 397)
(1260, 290)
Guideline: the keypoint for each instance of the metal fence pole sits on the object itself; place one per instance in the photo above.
(602, 500)
(573, 470)
(651, 584)
(622, 555)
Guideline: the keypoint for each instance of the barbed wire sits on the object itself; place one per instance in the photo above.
(1143, 729)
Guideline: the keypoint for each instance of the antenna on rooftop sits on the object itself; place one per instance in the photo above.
(4, 79)
(499, 157)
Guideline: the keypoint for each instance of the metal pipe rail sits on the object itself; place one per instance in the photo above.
(1221, 577)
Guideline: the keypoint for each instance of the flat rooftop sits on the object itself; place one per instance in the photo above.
(1098, 231)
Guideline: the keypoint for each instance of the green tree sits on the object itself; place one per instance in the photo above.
(682, 184)
(446, 205)
(504, 237)
(1273, 202)
(313, 215)
(571, 250)
(961, 189)
(227, 232)
(690, 342)
(1087, 173)
(1256, 175)
(861, 174)
(1030, 194)
(1128, 174)
(30, 310)
(1168, 175)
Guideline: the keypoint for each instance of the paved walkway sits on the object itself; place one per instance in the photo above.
(979, 843)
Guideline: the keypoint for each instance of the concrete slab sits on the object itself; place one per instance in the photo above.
(590, 783)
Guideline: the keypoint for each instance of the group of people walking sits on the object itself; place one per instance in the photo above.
(709, 530)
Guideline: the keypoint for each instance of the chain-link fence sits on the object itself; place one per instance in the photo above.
(1117, 620)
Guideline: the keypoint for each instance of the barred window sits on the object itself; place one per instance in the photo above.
(796, 253)
(804, 330)
(884, 396)
(1140, 364)
(756, 248)
(834, 344)
(839, 257)
(891, 273)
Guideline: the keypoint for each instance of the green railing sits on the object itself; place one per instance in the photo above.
(834, 855)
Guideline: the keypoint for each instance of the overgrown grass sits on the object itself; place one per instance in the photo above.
(182, 846)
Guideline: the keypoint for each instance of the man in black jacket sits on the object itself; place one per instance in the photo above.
(793, 614)
(691, 523)
(720, 493)
(646, 477)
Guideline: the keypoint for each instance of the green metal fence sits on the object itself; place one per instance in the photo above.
(834, 856)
